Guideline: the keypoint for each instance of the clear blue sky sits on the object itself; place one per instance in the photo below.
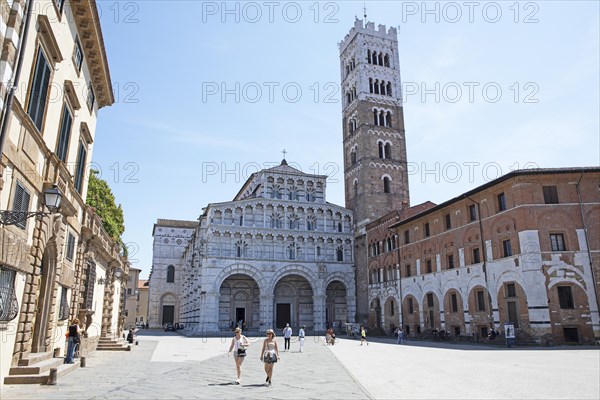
(170, 145)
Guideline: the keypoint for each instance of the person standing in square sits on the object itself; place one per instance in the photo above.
(287, 335)
(301, 336)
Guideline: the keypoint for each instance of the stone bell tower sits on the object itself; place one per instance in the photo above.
(375, 170)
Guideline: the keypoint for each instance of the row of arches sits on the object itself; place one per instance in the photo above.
(382, 117)
(283, 217)
(280, 248)
(350, 66)
(454, 312)
(378, 58)
(380, 87)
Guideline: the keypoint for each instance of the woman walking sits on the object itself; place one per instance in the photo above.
(239, 343)
(73, 340)
(269, 354)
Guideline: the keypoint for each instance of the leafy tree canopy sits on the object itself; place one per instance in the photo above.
(102, 199)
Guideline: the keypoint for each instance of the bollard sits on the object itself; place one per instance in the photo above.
(128, 347)
(82, 362)
(137, 342)
(53, 376)
(57, 352)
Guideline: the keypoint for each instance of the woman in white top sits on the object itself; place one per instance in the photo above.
(269, 354)
(239, 344)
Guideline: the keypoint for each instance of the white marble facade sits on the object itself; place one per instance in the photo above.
(277, 253)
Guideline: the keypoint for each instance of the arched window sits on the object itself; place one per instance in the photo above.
(380, 58)
(241, 220)
(369, 56)
(293, 222)
(387, 185)
(388, 119)
(381, 119)
(347, 70)
(388, 90)
(381, 150)
(348, 99)
(370, 85)
(353, 156)
(276, 221)
(310, 223)
(340, 227)
(388, 151)
(375, 118)
(386, 60)
(291, 253)
(170, 273)
(376, 86)
(382, 87)
(340, 253)
(374, 56)
(241, 249)
(355, 188)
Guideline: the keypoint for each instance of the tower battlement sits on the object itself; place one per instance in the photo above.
(368, 29)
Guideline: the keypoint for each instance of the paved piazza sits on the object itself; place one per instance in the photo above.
(170, 366)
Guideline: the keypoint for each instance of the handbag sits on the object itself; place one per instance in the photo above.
(270, 356)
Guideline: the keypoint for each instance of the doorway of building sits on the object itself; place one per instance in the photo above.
(168, 314)
(284, 314)
(240, 315)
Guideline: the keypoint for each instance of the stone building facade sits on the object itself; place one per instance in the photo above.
(375, 163)
(54, 80)
(277, 253)
(522, 249)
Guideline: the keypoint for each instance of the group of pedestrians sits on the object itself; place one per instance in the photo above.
(269, 354)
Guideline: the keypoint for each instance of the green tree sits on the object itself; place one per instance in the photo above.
(102, 199)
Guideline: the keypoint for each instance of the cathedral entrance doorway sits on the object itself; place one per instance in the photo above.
(239, 301)
(168, 315)
(336, 311)
(283, 314)
(240, 315)
(293, 302)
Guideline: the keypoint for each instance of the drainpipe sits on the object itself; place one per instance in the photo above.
(15, 78)
(587, 242)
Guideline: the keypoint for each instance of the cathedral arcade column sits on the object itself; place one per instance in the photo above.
(266, 312)
(319, 313)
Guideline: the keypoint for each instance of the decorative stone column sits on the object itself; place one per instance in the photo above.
(319, 313)
(266, 311)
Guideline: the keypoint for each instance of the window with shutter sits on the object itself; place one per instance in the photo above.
(80, 170)
(63, 312)
(65, 135)
(39, 90)
(21, 203)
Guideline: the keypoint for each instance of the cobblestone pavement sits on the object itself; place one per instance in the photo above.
(170, 366)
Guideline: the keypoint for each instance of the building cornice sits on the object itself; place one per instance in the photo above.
(87, 20)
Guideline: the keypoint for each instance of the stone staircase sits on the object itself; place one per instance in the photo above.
(108, 344)
(35, 369)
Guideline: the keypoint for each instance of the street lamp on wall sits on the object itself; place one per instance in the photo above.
(52, 201)
(116, 275)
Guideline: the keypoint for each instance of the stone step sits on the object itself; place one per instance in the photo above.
(113, 348)
(35, 358)
(37, 368)
(41, 378)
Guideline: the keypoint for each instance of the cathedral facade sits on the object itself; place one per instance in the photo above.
(277, 253)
